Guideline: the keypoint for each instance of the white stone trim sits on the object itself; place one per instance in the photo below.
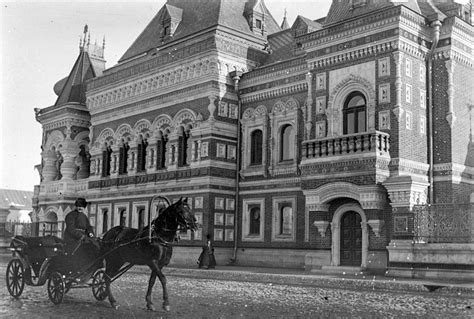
(135, 206)
(276, 219)
(336, 234)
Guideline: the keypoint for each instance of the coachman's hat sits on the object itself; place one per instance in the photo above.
(80, 202)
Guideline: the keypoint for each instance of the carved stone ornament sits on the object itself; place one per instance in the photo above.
(321, 226)
(376, 226)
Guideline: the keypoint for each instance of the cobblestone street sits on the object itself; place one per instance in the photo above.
(205, 297)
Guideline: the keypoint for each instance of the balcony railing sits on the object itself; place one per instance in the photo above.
(373, 142)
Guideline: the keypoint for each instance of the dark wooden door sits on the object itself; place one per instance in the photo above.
(351, 240)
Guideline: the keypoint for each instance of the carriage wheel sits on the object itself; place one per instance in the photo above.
(56, 288)
(15, 278)
(99, 286)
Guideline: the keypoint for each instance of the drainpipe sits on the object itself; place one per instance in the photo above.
(235, 75)
(436, 25)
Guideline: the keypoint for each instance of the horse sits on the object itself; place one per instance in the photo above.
(122, 245)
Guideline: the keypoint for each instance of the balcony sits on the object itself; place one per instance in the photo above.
(371, 143)
(362, 156)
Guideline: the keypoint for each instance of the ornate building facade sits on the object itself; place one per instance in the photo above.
(303, 146)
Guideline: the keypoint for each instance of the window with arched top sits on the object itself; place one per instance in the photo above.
(355, 113)
(287, 150)
(141, 218)
(256, 143)
(123, 217)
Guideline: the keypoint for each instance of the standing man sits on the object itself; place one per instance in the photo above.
(78, 226)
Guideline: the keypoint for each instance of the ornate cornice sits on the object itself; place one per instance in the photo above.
(300, 86)
(65, 122)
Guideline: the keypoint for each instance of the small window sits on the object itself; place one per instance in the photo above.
(123, 217)
(141, 218)
(254, 226)
(106, 160)
(286, 220)
(258, 24)
(166, 30)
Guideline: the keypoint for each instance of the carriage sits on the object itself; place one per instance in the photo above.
(38, 260)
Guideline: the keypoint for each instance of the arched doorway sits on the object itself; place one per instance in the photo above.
(351, 239)
(50, 225)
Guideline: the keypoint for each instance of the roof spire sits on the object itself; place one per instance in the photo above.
(284, 24)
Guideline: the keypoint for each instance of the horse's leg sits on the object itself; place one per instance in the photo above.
(161, 276)
(110, 270)
(151, 283)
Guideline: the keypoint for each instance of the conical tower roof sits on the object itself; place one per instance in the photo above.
(74, 88)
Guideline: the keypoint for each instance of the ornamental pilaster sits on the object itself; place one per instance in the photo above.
(69, 152)
(450, 116)
(114, 158)
(49, 165)
(398, 59)
(132, 158)
(151, 154)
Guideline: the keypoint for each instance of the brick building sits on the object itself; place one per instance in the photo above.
(346, 124)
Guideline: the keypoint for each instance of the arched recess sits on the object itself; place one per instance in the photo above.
(49, 222)
(54, 140)
(106, 137)
(124, 133)
(336, 102)
(161, 124)
(142, 128)
(184, 117)
(336, 233)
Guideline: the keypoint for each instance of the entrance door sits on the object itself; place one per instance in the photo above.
(351, 240)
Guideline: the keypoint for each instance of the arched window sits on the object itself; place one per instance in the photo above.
(286, 220)
(141, 155)
(105, 219)
(106, 160)
(354, 112)
(254, 228)
(287, 150)
(123, 158)
(161, 147)
(141, 218)
(256, 142)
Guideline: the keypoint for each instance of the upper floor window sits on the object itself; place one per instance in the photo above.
(105, 219)
(258, 23)
(141, 155)
(161, 147)
(287, 150)
(184, 147)
(106, 160)
(123, 158)
(354, 113)
(123, 217)
(256, 143)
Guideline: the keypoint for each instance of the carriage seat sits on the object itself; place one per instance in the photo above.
(38, 247)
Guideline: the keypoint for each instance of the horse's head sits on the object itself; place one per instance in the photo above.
(177, 216)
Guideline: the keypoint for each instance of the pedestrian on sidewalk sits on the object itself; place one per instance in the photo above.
(207, 259)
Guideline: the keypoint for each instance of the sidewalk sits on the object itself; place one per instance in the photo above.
(301, 277)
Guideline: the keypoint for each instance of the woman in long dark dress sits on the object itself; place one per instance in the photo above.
(207, 259)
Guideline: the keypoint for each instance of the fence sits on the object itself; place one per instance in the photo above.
(10, 229)
(444, 223)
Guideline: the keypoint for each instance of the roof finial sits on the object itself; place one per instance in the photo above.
(103, 44)
(284, 24)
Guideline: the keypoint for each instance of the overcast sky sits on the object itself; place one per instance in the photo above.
(39, 45)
